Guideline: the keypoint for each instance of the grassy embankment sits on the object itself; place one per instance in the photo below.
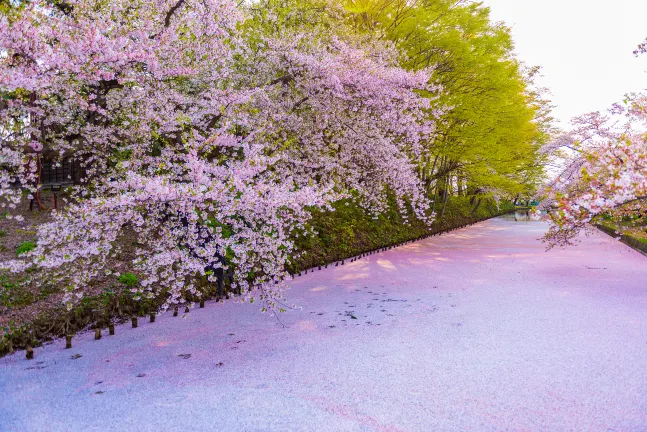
(631, 232)
(346, 232)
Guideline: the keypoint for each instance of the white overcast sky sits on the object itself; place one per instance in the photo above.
(585, 48)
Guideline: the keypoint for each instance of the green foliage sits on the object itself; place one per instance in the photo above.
(107, 296)
(25, 247)
(128, 279)
(3, 233)
(226, 230)
(12, 293)
(349, 230)
(318, 17)
(491, 135)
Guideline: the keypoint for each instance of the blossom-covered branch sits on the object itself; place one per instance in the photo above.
(204, 146)
(607, 175)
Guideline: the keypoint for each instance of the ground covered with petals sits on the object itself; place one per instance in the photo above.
(479, 329)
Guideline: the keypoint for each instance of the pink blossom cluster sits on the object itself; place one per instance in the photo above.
(199, 142)
(606, 173)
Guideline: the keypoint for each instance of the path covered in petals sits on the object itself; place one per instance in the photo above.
(480, 329)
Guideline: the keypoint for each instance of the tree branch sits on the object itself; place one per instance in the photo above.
(169, 14)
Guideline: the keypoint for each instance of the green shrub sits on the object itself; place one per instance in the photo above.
(128, 279)
(25, 247)
(3, 233)
(12, 293)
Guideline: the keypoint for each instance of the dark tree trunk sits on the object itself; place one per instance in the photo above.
(478, 203)
(442, 213)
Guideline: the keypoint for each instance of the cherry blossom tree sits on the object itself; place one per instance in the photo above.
(605, 173)
(205, 146)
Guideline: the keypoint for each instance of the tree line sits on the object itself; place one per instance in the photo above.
(209, 131)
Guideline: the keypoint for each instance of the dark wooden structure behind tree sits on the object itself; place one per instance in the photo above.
(65, 173)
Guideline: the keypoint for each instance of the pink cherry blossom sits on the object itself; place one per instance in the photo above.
(199, 141)
(606, 173)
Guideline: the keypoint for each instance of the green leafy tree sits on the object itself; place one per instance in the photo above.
(488, 141)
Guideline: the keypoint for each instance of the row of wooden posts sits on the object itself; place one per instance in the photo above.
(221, 293)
